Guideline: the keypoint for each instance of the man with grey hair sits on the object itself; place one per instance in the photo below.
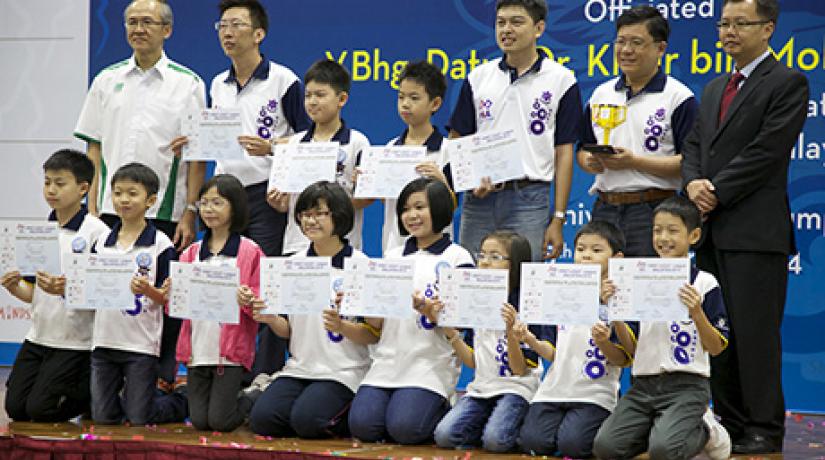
(133, 112)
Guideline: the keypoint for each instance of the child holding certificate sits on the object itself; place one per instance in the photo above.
(420, 94)
(506, 377)
(414, 370)
(127, 341)
(666, 410)
(218, 354)
(328, 355)
(582, 386)
(49, 381)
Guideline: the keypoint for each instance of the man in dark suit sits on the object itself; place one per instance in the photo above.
(735, 168)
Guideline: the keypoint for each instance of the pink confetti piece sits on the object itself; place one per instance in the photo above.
(137, 437)
(798, 418)
(811, 425)
(188, 423)
(203, 440)
(105, 438)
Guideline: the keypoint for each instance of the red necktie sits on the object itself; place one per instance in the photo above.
(730, 92)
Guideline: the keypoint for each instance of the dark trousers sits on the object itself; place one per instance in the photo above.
(404, 415)
(48, 384)
(634, 220)
(565, 427)
(123, 386)
(266, 227)
(214, 404)
(301, 407)
(167, 364)
(746, 378)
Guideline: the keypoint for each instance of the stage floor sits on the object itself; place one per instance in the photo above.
(805, 439)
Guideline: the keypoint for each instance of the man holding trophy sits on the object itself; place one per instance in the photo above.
(634, 127)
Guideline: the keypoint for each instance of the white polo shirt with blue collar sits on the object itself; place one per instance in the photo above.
(412, 352)
(137, 327)
(134, 115)
(657, 121)
(271, 105)
(54, 325)
(352, 144)
(544, 104)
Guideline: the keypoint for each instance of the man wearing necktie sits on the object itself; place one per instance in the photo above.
(735, 169)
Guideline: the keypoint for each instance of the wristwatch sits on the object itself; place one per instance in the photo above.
(560, 215)
(192, 207)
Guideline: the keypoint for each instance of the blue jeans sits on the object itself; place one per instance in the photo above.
(524, 210)
(492, 423)
(404, 415)
(634, 220)
(140, 403)
(306, 408)
(558, 427)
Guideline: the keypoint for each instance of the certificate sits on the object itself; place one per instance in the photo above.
(213, 135)
(100, 281)
(560, 294)
(473, 298)
(647, 289)
(297, 166)
(493, 154)
(296, 285)
(203, 291)
(385, 171)
(378, 288)
(30, 246)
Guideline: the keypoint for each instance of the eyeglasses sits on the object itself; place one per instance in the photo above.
(143, 22)
(314, 215)
(215, 203)
(633, 44)
(739, 24)
(493, 257)
(232, 25)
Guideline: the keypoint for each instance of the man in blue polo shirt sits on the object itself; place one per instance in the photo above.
(527, 90)
(659, 112)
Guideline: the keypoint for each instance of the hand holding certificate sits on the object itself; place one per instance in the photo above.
(566, 294)
(295, 285)
(473, 298)
(98, 281)
(203, 291)
(29, 247)
(386, 170)
(297, 166)
(493, 154)
(647, 289)
(378, 288)
(213, 135)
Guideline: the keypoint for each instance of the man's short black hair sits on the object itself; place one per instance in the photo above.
(338, 202)
(608, 231)
(765, 9)
(231, 189)
(73, 161)
(427, 75)
(139, 173)
(518, 251)
(257, 13)
(439, 198)
(537, 9)
(329, 72)
(682, 208)
(657, 25)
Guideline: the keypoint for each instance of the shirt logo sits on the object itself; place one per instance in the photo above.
(655, 130)
(683, 343)
(267, 119)
(595, 363)
(485, 112)
(541, 113)
(503, 358)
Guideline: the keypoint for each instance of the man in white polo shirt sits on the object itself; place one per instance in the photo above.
(133, 113)
(659, 113)
(528, 91)
(271, 100)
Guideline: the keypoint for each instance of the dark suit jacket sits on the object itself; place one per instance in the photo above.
(746, 157)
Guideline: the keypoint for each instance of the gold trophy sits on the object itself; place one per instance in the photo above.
(608, 117)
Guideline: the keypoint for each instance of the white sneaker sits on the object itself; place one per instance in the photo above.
(718, 445)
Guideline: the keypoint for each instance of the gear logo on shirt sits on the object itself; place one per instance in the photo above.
(268, 119)
(656, 129)
(683, 340)
(540, 113)
(595, 365)
(503, 358)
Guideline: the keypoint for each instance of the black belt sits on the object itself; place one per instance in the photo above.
(516, 183)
